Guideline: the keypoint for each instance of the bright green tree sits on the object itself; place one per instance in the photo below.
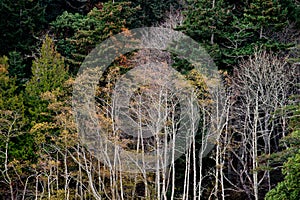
(48, 73)
(12, 119)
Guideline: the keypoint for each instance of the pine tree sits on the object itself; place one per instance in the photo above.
(152, 12)
(12, 119)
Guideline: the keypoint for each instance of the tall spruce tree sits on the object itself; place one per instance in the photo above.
(17, 67)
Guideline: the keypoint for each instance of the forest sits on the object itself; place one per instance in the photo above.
(149, 99)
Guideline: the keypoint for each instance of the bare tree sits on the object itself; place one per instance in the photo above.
(261, 86)
(11, 123)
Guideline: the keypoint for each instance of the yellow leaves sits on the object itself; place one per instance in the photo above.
(53, 162)
(56, 106)
(3, 69)
(66, 139)
(3, 65)
(67, 136)
(69, 83)
(41, 127)
(40, 131)
(48, 96)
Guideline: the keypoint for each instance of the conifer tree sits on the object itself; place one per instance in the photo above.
(12, 119)
(19, 22)
(233, 30)
(49, 73)
(17, 68)
(78, 34)
(263, 15)
(208, 22)
(15, 147)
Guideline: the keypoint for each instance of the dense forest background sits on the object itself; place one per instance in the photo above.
(255, 45)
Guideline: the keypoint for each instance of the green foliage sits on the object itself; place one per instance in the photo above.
(49, 73)
(17, 68)
(261, 18)
(54, 8)
(8, 98)
(151, 12)
(12, 119)
(231, 30)
(262, 13)
(202, 20)
(289, 188)
(19, 23)
(78, 34)
(293, 9)
(208, 24)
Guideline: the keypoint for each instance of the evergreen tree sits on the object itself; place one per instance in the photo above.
(7, 87)
(20, 22)
(17, 67)
(233, 30)
(78, 34)
(208, 22)
(48, 73)
(152, 12)
(12, 117)
(263, 15)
